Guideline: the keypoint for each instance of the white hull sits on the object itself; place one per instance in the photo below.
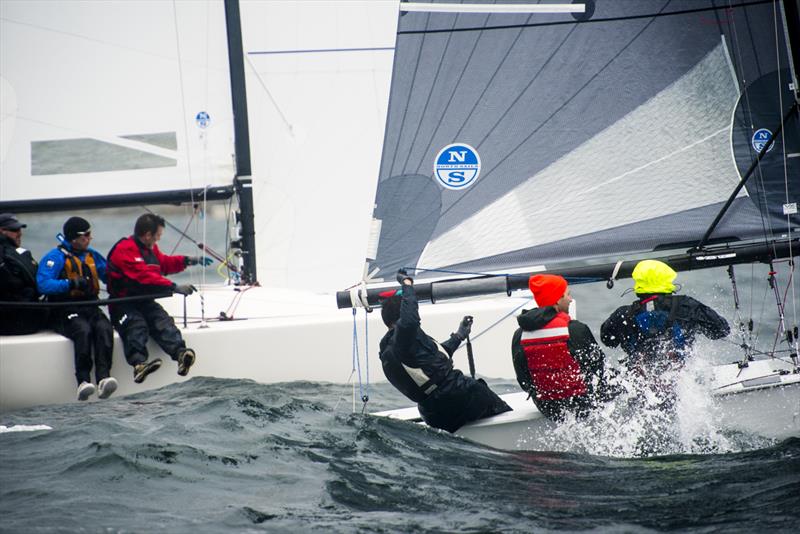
(283, 336)
(756, 401)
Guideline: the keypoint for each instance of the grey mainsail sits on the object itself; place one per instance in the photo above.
(619, 131)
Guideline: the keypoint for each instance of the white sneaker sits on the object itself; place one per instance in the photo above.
(106, 387)
(85, 390)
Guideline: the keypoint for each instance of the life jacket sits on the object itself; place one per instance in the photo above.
(656, 332)
(555, 374)
(412, 382)
(76, 268)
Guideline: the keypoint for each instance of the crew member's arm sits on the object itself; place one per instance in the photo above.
(169, 264)
(584, 348)
(409, 321)
(707, 321)
(47, 275)
(520, 362)
(611, 331)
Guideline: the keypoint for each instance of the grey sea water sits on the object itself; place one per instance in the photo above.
(212, 455)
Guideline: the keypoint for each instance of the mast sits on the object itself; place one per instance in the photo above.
(791, 19)
(243, 183)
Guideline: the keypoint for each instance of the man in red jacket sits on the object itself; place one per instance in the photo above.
(556, 359)
(137, 267)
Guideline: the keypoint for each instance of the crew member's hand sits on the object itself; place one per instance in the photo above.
(197, 260)
(184, 289)
(465, 327)
(402, 276)
(81, 284)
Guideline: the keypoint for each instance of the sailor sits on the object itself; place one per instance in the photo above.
(137, 267)
(72, 272)
(658, 329)
(422, 369)
(556, 358)
(17, 281)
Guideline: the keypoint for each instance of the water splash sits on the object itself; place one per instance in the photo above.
(676, 414)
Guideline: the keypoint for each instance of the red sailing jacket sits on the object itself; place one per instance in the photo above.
(131, 265)
(554, 372)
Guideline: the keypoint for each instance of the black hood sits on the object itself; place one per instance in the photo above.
(536, 318)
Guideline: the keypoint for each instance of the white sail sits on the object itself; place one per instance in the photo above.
(109, 98)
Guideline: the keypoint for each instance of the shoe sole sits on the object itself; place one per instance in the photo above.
(188, 361)
(86, 393)
(149, 367)
(108, 388)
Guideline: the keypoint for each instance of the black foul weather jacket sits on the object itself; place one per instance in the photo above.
(18, 284)
(421, 369)
(661, 323)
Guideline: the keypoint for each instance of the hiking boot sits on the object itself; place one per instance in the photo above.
(106, 387)
(140, 371)
(185, 361)
(85, 390)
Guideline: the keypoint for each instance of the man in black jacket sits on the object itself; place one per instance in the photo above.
(557, 359)
(658, 329)
(422, 369)
(17, 281)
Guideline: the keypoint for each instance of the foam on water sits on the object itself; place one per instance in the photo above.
(23, 428)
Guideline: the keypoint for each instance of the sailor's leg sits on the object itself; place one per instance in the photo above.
(76, 327)
(103, 338)
(163, 330)
(132, 328)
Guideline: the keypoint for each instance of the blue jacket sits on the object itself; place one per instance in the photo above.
(49, 277)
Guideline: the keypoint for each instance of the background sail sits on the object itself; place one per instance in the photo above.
(122, 98)
(598, 134)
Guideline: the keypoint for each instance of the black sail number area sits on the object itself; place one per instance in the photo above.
(758, 114)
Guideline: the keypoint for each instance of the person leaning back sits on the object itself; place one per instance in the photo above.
(421, 369)
(17, 281)
(136, 267)
(71, 273)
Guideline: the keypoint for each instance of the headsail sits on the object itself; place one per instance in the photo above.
(621, 130)
(126, 102)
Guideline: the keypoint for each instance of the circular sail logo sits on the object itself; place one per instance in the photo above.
(457, 166)
(202, 119)
(761, 138)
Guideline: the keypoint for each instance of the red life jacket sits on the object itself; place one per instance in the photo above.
(554, 372)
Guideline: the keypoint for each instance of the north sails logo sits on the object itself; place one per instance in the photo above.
(457, 166)
(761, 138)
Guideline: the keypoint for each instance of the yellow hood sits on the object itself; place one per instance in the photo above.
(652, 276)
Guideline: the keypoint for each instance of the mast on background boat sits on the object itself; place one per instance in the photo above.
(243, 183)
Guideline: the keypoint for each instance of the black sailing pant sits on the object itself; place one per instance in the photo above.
(136, 321)
(88, 328)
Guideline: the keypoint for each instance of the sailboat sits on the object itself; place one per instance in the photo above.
(112, 104)
(521, 140)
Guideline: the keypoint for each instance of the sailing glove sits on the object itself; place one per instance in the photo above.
(81, 284)
(402, 276)
(184, 289)
(197, 260)
(464, 328)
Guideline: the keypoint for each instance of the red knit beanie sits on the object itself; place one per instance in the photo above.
(547, 289)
